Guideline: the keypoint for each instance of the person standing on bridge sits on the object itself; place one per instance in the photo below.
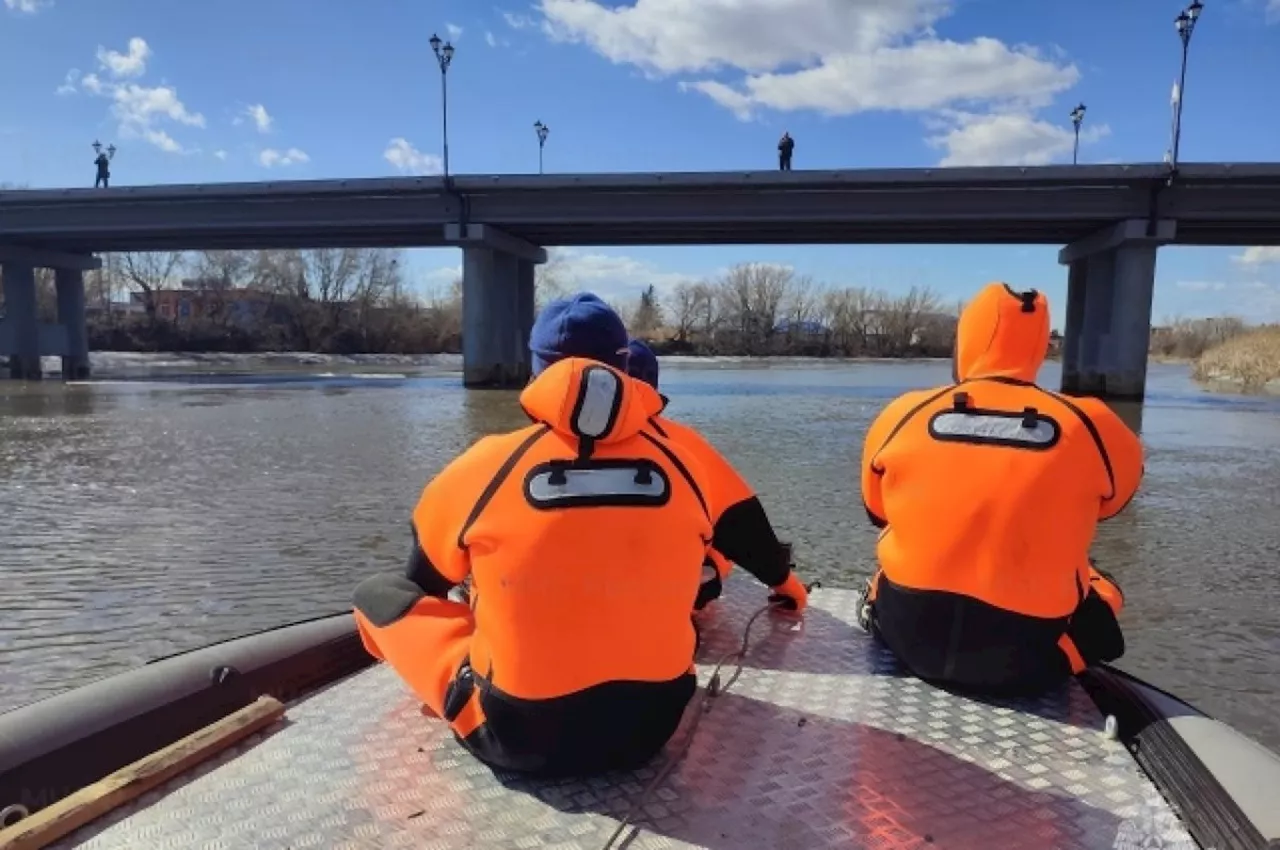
(785, 146)
(989, 491)
(103, 162)
(584, 536)
(742, 531)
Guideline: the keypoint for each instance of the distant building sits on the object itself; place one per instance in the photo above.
(194, 303)
(802, 329)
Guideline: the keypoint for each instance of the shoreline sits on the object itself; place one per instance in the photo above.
(114, 362)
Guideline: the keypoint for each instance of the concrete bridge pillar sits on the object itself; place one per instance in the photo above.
(20, 333)
(497, 305)
(75, 349)
(1110, 282)
(22, 338)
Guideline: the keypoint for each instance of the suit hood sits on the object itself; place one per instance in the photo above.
(1002, 333)
(582, 398)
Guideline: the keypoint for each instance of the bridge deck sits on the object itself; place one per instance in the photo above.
(822, 742)
(1214, 204)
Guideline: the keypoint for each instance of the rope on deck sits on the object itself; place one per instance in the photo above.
(704, 704)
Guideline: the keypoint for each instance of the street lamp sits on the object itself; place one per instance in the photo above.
(1186, 24)
(1077, 116)
(542, 130)
(444, 57)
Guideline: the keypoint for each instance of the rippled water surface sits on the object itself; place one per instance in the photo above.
(144, 517)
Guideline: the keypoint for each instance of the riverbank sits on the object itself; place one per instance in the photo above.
(106, 365)
(1249, 362)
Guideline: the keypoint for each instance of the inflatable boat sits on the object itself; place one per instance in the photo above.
(810, 738)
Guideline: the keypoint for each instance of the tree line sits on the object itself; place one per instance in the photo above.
(347, 301)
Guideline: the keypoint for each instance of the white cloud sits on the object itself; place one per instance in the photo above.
(833, 56)
(1258, 255)
(454, 31)
(27, 7)
(222, 155)
(141, 105)
(259, 115)
(1273, 11)
(616, 278)
(1013, 138)
(270, 157)
(518, 22)
(131, 64)
(163, 141)
(409, 160)
(139, 109)
(1201, 285)
(489, 39)
(69, 83)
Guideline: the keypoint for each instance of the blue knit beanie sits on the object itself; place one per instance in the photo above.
(578, 326)
(642, 363)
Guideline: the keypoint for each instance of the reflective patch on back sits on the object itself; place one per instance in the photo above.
(597, 483)
(599, 397)
(1027, 430)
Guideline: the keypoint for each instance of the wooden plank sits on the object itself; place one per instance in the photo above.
(133, 780)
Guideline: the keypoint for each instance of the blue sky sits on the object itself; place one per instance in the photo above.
(297, 89)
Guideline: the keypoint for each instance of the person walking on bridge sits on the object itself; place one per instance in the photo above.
(742, 531)
(988, 492)
(785, 146)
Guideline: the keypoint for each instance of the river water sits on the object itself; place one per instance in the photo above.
(141, 517)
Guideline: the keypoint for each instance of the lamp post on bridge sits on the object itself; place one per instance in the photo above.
(1186, 25)
(444, 58)
(1077, 117)
(542, 130)
(103, 161)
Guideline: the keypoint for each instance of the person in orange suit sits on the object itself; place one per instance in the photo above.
(743, 533)
(583, 536)
(988, 492)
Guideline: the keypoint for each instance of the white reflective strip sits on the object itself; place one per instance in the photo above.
(982, 425)
(600, 388)
(596, 483)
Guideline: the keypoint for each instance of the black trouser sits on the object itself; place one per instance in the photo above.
(957, 640)
(784, 162)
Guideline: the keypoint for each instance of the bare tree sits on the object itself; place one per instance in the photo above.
(646, 318)
(550, 280)
(222, 270)
(750, 296)
(150, 271)
(104, 284)
(848, 312)
(684, 303)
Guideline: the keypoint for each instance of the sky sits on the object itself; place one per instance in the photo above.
(298, 89)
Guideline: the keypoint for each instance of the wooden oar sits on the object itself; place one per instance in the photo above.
(133, 780)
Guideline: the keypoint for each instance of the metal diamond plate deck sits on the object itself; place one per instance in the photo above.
(821, 743)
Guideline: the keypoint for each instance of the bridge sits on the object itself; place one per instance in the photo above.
(1110, 220)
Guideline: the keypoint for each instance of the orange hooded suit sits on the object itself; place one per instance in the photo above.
(742, 531)
(989, 491)
(584, 537)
